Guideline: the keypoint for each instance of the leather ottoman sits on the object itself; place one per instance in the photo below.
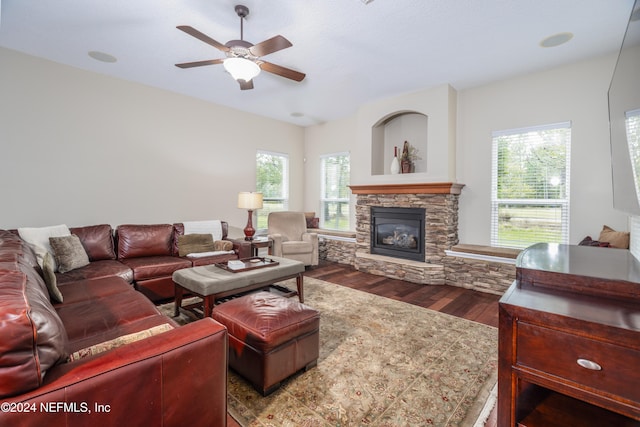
(270, 337)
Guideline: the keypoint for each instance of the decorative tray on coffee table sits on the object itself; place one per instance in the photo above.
(246, 264)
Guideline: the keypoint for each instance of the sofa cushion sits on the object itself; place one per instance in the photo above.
(38, 239)
(85, 290)
(118, 342)
(69, 252)
(178, 230)
(153, 267)
(136, 241)
(94, 317)
(50, 279)
(97, 241)
(195, 243)
(32, 336)
(120, 330)
(97, 270)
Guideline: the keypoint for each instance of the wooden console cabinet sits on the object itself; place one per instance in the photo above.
(569, 339)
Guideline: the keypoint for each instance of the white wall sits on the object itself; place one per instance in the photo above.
(80, 148)
(576, 93)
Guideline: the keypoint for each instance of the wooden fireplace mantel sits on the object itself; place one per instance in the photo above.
(419, 188)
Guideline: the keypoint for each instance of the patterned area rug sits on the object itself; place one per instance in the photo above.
(382, 363)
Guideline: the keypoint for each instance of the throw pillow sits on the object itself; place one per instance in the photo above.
(222, 245)
(69, 252)
(313, 222)
(118, 342)
(50, 278)
(588, 241)
(38, 239)
(195, 243)
(617, 239)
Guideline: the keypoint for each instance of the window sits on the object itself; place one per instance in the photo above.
(632, 121)
(334, 210)
(530, 186)
(272, 180)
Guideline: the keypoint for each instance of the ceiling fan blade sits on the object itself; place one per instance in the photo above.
(203, 37)
(200, 63)
(246, 85)
(281, 71)
(271, 45)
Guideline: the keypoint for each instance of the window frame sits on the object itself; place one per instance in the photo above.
(323, 192)
(263, 214)
(558, 203)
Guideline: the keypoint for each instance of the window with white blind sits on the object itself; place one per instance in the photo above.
(530, 185)
(272, 180)
(632, 122)
(334, 210)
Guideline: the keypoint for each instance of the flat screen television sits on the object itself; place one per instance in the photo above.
(624, 119)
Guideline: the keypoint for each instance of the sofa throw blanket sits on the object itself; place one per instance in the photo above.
(213, 227)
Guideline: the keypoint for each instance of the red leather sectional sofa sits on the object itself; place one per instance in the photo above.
(144, 255)
(175, 378)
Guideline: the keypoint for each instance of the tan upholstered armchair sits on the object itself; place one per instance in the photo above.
(288, 230)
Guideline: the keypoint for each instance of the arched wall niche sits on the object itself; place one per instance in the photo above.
(392, 131)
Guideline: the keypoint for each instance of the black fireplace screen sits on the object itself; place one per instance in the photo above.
(398, 232)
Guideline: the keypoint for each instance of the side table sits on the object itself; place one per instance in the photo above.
(260, 242)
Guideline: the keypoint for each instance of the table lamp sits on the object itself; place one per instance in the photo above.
(250, 201)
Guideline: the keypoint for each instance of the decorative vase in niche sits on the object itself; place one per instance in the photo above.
(395, 164)
(406, 166)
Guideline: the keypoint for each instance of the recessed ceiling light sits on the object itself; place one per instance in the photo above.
(556, 39)
(102, 57)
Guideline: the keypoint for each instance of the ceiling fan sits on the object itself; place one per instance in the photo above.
(243, 59)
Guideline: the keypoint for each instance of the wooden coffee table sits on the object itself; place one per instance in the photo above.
(211, 282)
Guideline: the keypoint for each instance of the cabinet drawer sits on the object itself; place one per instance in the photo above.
(557, 353)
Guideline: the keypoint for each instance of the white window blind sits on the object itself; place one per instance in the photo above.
(334, 209)
(530, 185)
(632, 121)
(272, 180)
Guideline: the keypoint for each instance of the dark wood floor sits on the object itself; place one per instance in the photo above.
(468, 304)
(472, 305)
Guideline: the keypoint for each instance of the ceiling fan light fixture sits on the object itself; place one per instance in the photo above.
(241, 68)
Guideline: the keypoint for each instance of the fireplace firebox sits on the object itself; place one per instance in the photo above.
(398, 232)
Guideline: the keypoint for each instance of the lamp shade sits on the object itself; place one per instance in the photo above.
(241, 68)
(249, 200)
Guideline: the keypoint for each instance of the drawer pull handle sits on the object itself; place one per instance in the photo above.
(588, 364)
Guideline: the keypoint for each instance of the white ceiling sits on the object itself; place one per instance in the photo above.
(351, 52)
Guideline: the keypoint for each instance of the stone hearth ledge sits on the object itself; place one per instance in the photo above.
(402, 269)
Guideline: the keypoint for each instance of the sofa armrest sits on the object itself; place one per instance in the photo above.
(172, 379)
(242, 248)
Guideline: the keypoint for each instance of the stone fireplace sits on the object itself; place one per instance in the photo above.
(438, 202)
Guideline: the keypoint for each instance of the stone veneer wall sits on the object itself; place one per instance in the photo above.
(479, 275)
(340, 251)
